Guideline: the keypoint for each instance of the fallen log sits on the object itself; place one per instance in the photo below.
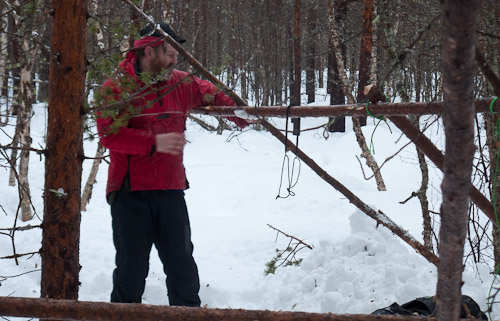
(101, 311)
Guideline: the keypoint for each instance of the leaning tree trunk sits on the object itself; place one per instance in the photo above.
(87, 190)
(63, 164)
(458, 63)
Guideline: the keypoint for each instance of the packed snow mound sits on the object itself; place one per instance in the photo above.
(369, 269)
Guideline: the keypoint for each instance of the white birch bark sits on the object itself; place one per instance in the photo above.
(26, 92)
(3, 60)
(87, 190)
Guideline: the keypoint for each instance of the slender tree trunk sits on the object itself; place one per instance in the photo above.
(26, 93)
(424, 170)
(458, 63)
(365, 57)
(42, 66)
(63, 163)
(373, 62)
(3, 63)
(14, 57)
(422, 192)
(493, 148)
(493, 139)
(13, 48)
(311, 55)
(297, 66)
(336, 18)
(14, 152)
(26, 98)
(87, 190)
(204, 34)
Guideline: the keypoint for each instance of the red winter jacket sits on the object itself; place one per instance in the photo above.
(132, 147)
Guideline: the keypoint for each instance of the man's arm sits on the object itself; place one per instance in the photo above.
(211, 95)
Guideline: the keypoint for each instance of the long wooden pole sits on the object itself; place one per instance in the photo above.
(380, 109)
(100, 311)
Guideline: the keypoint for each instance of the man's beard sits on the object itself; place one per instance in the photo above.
(160, 71)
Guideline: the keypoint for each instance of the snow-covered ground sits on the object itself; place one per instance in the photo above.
(354, 266)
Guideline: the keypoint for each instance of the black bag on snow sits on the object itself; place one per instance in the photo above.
(426, 306)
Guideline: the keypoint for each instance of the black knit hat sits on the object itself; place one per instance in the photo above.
(146, 31)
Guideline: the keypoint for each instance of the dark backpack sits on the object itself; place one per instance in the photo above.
(426, 306)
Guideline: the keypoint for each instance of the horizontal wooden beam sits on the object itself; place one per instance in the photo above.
(101, 311)
(380, 109)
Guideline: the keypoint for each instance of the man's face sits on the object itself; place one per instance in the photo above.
(163, 57)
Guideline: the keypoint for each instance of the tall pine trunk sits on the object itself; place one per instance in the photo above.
(365, 57)
(63, 164)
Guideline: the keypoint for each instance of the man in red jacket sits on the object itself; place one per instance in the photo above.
(146, 178)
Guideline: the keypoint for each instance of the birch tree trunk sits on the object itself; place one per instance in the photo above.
(26, 97)
(458, 63)
(64, 152)
(25, 140)
(3, 63)
(87, 190)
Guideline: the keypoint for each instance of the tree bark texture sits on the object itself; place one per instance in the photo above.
(297, 66)
(64, 155)
(26, 93)
(380, 109)
(311, 55)
(365, 56)
(3, 70)
(366, 153)
(492, 142)
(336, 21)
(99, 311)
(458, 64)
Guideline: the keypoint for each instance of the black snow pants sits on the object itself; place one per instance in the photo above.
(144, 218)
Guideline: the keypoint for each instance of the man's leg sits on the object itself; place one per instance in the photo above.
(173, 241)
(133, 239)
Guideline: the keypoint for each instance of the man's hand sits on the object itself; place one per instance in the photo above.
(170, 143)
